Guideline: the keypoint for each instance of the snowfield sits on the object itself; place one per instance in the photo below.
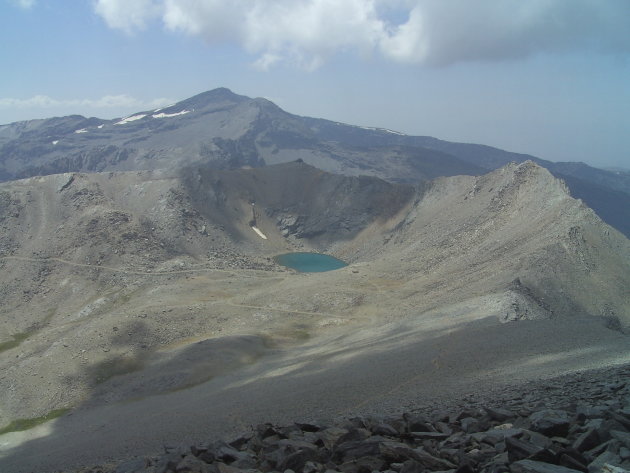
(168, 115)
(259, 233)
(382, 129)
(132, 118)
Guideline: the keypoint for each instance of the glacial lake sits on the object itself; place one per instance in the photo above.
(310, 262)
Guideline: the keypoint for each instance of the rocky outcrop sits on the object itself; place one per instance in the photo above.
(579, 423)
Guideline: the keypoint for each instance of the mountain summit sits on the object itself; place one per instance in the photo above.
(229, 131)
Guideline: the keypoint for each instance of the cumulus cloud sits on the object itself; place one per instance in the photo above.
(445, 32)
(127, 16)
(438, 32)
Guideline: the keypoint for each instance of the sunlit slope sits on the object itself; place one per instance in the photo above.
(108, 277)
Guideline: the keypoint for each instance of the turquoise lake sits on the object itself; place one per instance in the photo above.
(310, 262)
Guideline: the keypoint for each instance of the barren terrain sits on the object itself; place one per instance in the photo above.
(146, 305)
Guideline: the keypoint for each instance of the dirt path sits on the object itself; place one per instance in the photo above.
(127, 271)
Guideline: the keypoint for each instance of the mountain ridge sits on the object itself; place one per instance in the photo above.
(127, 293)
(231, 130)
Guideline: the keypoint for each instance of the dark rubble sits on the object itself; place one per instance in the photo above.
(578, 423)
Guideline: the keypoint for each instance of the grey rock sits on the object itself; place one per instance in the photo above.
(494, 436)
(586, 440)
(611, 444)
(167, 462)
(267, 430)
(498, 414)
(530, 466)
(537, 438)
(396, 452)
(192, 464)
(412, 466)
(469, 424)
(612, 469)
(429, 435)
(573, 459)
(607, 457)
(136, 465)
(225, 453)
(296, 444)
(308, 427)
(312, 467)
(550, 422)
(416, 423)
(329, 436)
(432, 462)
(365, 464)
(297, 460)
(521, 449)
(223, 468)
(623, 420)
(357, 449)
(623, 437)
(594, 423)
(444, 428)
(584, 411)
(384, 429)
(240, 441)
(609, 425)
(353, 436)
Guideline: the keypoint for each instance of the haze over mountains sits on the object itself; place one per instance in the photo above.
(139, 289)
(230, 130)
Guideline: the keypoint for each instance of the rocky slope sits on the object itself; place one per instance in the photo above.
(586, 429)
(123, 290)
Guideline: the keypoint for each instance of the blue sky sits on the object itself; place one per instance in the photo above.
(545, 77)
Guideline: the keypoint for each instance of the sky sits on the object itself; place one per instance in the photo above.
(549, 78)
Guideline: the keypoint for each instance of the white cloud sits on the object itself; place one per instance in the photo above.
(107, 101)
(307, 32)
(127, 15)
(26, 4)
(444, 32)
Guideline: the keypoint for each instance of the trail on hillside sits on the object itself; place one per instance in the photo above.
(126, 271)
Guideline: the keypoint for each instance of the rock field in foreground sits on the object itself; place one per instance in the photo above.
(575, 423)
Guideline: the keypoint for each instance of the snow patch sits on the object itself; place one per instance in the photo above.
(158, 109)
(168, 115)
(82, 130)
(132, 118)
(382, 129)
(260, 234)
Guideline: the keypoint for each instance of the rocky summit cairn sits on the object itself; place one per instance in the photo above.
(580, 423)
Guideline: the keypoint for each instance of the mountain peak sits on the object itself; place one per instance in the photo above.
(214, 96)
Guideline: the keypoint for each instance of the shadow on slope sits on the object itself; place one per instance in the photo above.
(612, 206)
(295, 198)
(378, 370)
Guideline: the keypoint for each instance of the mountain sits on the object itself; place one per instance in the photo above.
(135, 297)
(230, 131)
(217, 126)
(143, 305)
